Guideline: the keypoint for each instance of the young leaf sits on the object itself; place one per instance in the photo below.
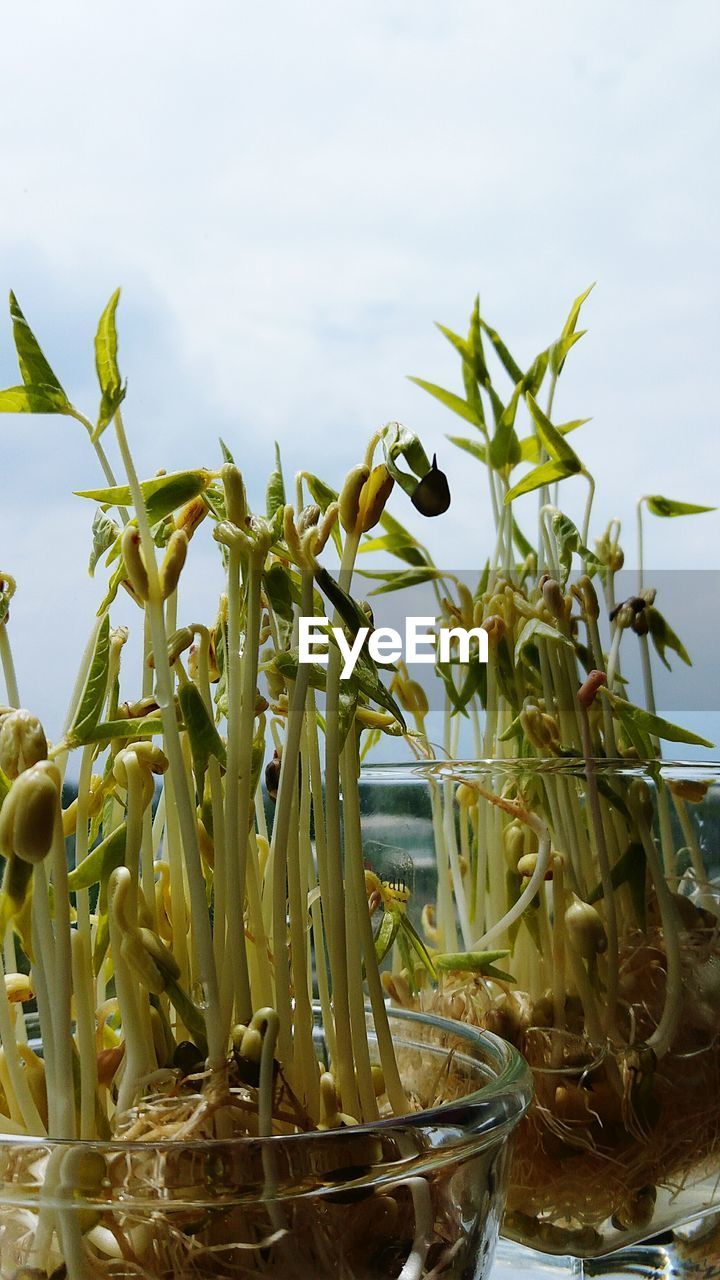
(350, 612)
(652, 725)
(546, 473)
(473, 447)
(32, 400)
(504, 449)
(568, 337)
(530, 445)
(568, 540)
(278, 589)
(347, 706)
(535, 629)
(398, 581)
(110, 730)
(659, 506)
(205, 741)
(162, 494)
(105, 535)
(663, 636)
(399, 442)
(474, 962)
(396, 545)
(34, 368)
(93, 698)
(551, 438)
(275, 496)
(101, 862)
(630, 869)
(386, 933)
(510, 366)
(451, 401)
(417, 944)
(111, 386)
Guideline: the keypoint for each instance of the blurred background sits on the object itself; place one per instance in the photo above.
(291, 194)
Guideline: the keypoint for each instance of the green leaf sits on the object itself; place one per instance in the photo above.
(504, 448)
(667, 507)
(535, 375)
(278, 589)
(275, 496)
(117, 578)
(451, 401)
(101, 862)
(630, 869)
(367, 679)
(510, 366)
(535, 629)
(530, 448)
(110, 730)
(347, 706)
(569, 541)
(320, 492)
(162, 494)
(550, 437)
(111, 386)
(205, 741)
(93, 698)
(399, 442)
(105, 534)
(399, 581)
(34, 368)
(386, 933)
(568, 337)
(473, 447)
(411, 935)
(546, 473)
(474, 962)
(396, 545)
(32, 400)
(350, 612)
(663, 636)
(227, 456)
(653, 725)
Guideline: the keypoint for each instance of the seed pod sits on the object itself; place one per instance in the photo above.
(588, 598)
(636, 1210)
(349, 503)
(514, 844)
(325, 527)
(235, 495)
(134, 562)
(190, 516)
(272, 775)
(432, 495)
(691, 790)
(108, 1062)
(308, 518)
(586, 932)
(553, 598)
(588, 691)
(188, 1058)
(373, 497)
(496, 627)
(291, 535)
(27, 818)
(22, 742)
(173, 561)
(18, 988)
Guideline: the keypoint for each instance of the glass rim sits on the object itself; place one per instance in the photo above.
(557, 766)
(512, 1080)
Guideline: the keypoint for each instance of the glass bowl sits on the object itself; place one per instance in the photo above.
(413, 1197)
(616, 1008)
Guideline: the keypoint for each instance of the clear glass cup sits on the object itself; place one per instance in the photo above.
(622, 1141)
(413, 1197)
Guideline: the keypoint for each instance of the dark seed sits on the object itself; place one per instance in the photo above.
(188, 1058)
(432, 495)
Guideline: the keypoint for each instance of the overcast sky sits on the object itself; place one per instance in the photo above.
(291, 194)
